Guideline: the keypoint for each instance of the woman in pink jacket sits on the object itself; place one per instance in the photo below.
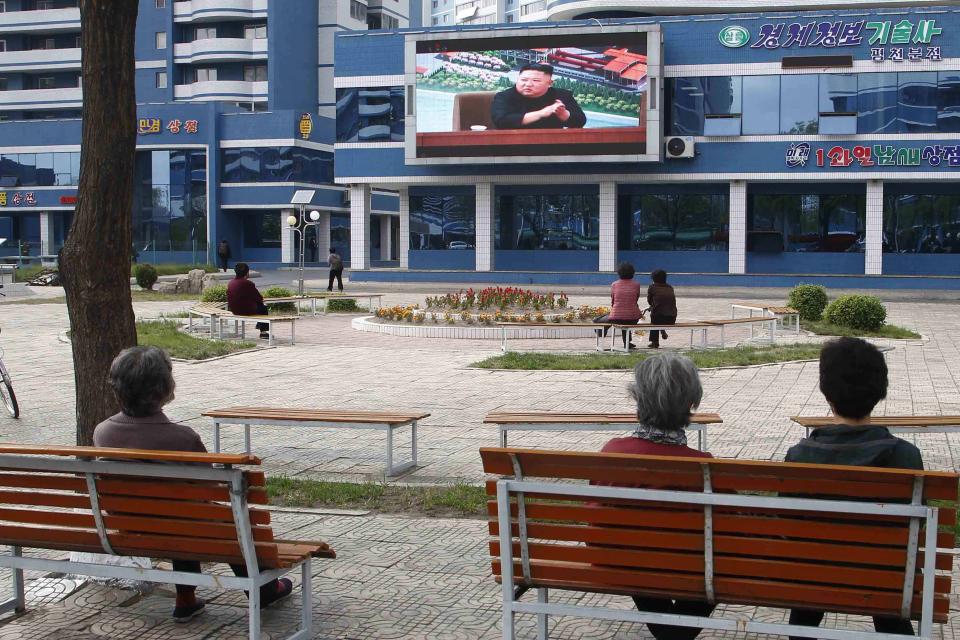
(624, 294)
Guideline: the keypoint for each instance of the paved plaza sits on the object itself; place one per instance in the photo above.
(402, 577)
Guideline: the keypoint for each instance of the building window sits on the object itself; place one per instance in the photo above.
(799, 105)
(44, 44)
(3, 45)
(255, 73)
(161, 39)
(3, 6)
(3, 84)
(921, 223)
(43, 5)
(707, 106)
(161, 4)
(170, 200)
(822, 223)
(761, 105)
(433, 22)
(556, 222)
(261, 230)
(277, 164)
(442, 222)
(161, 80)
(917, 102)
(255, 32)
(204, 33)
(674, 222)
(77, 41)
(204, 74)
(358, 10)
(47, 82)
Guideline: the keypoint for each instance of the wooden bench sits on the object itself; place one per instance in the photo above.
(851, 540)
(697, 325)
(896, 424)
(327, 296)
(217, 313)
(383, 420)
(779, 312)
(296, 300)
(193, 506)
(580, 328)
(553, 421)
(723, 324)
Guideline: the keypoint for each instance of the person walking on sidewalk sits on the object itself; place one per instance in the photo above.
(663, 305)
(223, 253)
(336, 269)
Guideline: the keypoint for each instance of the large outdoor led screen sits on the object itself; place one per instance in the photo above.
(569, 94)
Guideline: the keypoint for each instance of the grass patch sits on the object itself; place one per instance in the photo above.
(704, 359)
(167, 335)
(824, 328)
(140, 295)
(175, 269)
(458, 500)
(28, 272)
(58, 300)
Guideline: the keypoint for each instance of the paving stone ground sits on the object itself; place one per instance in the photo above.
(400, 577)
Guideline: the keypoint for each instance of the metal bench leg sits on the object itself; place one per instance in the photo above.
(253, 604)
(306, 595)
(389, 450)
(216, 436)
(19, 599)
(503, 437)
(413, 442)
(269, 334)
(503, 340)
(703, 438)
(293, 332)
(543, 597)
(723, 336)
(246, 438)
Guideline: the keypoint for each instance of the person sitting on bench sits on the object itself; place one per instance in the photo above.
(243, 299)
(142, 380)
(853, 379)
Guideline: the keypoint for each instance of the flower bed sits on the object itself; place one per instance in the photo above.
(502, 298)
(415, 315)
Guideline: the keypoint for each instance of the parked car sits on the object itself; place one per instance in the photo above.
(459, 244)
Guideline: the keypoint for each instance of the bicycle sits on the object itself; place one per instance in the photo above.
(6, 390)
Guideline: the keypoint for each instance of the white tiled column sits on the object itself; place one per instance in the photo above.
(608, 226)
(404, 248)
(289, 240)
(737, 257)
(323, 236)
(359, 227)
(386, 237)
(873, 262)
(485, 239)
(47, 234)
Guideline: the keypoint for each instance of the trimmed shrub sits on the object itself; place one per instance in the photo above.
(146, 276)
(216, 293)
(343, 305)
(857, 312)
(280, 292)
(809, 300)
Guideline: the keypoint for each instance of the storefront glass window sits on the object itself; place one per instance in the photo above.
(564, 222)
(799, 104)
(761, 105)
(373, 114)
(261, 229)
(877, 103)
(710, 105)
(921, 223)
(917, 102)
(340, 235)
(442, 222)
(806, 223)
(277, 164)
(674, 222)
(40, 169)
(948, 89)
(170, 201)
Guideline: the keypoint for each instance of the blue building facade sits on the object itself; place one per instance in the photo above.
(236, 112)
(813, 146)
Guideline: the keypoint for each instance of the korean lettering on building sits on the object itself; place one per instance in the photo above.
(878, 155)
(895, 40)
(148, 126)
(18, 199)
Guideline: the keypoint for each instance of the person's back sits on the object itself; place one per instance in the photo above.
(335, 261)
(242, 296)
(853, 379)
(624, 294)
(662, 299)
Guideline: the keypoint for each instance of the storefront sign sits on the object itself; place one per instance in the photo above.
(18, 199)
(888, 40)
(878, 155)
(147, 126)
(306, 125)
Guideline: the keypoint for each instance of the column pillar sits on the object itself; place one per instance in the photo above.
(359, 227)
(386, 237)
(289, 240)
(323, 236)
(484, 226)
(873, 260)
(47, 234)
(737, 231)
(404, 248)
(608, 227)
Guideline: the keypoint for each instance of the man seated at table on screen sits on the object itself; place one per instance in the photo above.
(534, 104)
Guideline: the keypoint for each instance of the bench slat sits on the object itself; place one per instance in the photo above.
(128, 454)
(198, 491)
(177, 509)
(884, 421)
(547, 417)
(313, 415)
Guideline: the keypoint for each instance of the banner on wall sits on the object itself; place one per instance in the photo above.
(800, 155)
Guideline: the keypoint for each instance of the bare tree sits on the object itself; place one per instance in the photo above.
(95, 260)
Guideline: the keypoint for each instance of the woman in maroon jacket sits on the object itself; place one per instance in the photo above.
(624, 294)
(663, 305)
(666, 390)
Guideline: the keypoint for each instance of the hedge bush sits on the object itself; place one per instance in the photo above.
(810, 300)
(146, 276)
(857, 312)
(280, 292)
(343, 305)
(216, 293)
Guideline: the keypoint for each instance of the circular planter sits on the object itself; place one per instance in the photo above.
(430, 330)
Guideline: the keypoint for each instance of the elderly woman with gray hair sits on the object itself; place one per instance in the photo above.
(666, 389)
(142, 380)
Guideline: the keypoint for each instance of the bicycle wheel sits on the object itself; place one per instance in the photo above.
(7, 395)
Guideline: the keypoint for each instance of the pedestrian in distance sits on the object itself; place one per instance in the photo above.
(313, 248)
(223, 254)
(336, 269)
(663, 305)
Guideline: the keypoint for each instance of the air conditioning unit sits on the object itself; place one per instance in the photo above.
(680, 147)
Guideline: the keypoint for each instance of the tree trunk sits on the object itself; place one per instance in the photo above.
(95, 259)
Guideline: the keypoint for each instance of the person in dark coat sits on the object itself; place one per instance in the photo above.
(223, 254)
(663, 305)
(313, 248)
(336, 269)
(243, 299)
(853, 379)
(533, 103)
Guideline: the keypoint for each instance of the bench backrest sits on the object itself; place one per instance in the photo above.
(134, 502)
(883, 421)
(750, 546)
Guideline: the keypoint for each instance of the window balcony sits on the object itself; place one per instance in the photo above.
(71, 97)
(220, 50)
(39, 60)
(215, 10)
(228, 90)
(43, 21)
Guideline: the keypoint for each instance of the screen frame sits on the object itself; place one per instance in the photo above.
(654, 102)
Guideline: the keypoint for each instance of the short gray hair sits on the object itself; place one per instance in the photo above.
(142, 379)
(666, 388)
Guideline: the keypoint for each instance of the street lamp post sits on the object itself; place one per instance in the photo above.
(299, 225)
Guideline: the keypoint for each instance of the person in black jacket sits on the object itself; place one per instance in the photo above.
(534, 104)
(853, 379)
(663, 305)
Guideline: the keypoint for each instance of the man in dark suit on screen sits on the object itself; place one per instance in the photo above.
(534, 104)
